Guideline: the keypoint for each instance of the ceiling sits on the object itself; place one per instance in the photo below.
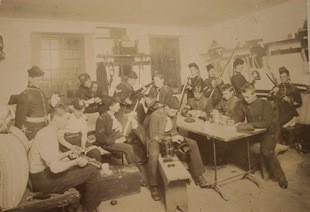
(191, 13)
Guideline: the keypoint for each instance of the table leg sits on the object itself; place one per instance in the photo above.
(214, 186)
(249, 174)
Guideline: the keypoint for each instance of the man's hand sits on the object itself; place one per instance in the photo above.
(98, 100)
(275, 90)
(128, 101)
(55, 99)
(120, 140)
(82, 161)
(287, 99)
(177, 138)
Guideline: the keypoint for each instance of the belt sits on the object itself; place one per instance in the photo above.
(36, 119)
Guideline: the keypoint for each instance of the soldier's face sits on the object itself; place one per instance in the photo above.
(62, 120)
(194, 71)
(227, 94)
(132, 81)
(239, 68)
(115, 108)
(249, 96)
(197, 95)
(171, 112)
(284, 77)
(78, 113)
(36, 81)
(158, 82)
(87, 83)
(212, 72)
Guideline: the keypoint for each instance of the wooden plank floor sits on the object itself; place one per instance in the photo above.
(243, 194)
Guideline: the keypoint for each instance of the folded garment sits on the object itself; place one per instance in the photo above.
(245, 128)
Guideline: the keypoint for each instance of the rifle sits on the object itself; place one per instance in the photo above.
(225, 67)
(183, 91)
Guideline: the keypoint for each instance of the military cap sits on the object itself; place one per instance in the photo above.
(173, 103)
(35, 71)
(78, 104)
(132, 75)
(83, 77)
(209, 67)
(193, 65)
(238, 61)
(284, 70)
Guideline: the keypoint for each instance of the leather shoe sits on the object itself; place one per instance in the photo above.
(201, 181)
(283, 182)
(154, 193)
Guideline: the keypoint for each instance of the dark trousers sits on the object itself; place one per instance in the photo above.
(268, 144)
(195, 163)
(126, 148)
(86, 180)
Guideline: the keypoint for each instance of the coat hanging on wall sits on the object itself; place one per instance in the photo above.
(2, 55)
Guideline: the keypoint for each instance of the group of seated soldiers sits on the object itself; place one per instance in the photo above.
(61, 151)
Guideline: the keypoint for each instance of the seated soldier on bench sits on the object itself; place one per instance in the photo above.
(74, 136)
(50, 173)
(163, 124)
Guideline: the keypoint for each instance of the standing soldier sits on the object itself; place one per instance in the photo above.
(211, 85)
(195, 80)
(32, 106)
(90, 92)
(289, 95)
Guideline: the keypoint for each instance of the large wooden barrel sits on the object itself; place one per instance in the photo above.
(14, 170)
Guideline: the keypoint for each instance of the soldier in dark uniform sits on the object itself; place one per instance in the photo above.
(212, 85)
(259, 114)
(160, 93)
(32, 106)
(92, 95)
(163, 124)
(195, 80)
(289, 95)
(238, 80)
(123, 92)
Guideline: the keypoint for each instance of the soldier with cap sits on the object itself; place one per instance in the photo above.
(194, 80)
(238, 80)
(32, 106)
(211, 85)
(289, 95)
(163, 124)
(90, 92)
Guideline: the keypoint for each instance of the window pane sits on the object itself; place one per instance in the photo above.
(54, 64)
(77, 54)
(54, 54)
(54, 44)
(45, 44)
(68, 44)
(68, 54)
(76, 44)
(46, 65)
(77, 64)
(45, 54)
(69, 64)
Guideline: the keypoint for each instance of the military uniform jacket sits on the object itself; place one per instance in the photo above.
(208, 88)
(291, 91)
(105, 133)
(238, 81)
(92, 92)
(228, 107)
(31, 103)
(158, 122)
(162, 95)
(259, 114)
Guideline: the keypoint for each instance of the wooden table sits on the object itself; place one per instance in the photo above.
(224, 134)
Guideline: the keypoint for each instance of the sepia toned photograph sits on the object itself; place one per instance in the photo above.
(154, 106)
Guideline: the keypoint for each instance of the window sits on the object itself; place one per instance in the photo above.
(165, 59)
(61, 57)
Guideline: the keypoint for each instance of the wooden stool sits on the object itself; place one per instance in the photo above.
(175, 176)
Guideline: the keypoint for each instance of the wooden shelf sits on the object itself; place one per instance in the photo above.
(122, 55)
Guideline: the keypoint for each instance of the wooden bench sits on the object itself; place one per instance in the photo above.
(175, 177)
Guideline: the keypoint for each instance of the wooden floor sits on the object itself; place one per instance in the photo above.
(243, 195)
